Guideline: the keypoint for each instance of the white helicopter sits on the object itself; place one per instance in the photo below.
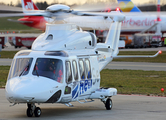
(64, 66)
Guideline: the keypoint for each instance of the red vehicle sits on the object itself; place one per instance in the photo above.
(2, 41)
(21, 41)
(27, 41)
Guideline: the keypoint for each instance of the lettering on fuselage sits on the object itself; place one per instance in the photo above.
(132, 22)
(81, 88)
(101, 58)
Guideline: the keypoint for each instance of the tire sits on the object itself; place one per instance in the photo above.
(29, 112)
(37, 112)
(29, 106)
(108, 104)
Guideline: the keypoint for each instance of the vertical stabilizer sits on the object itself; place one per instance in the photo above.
(113, 37)
(109, 49)
(128, 6)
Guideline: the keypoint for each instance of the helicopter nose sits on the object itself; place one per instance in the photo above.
(18, 95)
(26, 90)
(18, 92)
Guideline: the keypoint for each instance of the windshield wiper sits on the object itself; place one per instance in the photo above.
(36, 71)
(27, 67)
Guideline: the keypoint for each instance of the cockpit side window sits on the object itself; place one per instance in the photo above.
(81, 68)
(88, 68)
(50, 68)
(49, 37)
(20, 67)
(68, 72)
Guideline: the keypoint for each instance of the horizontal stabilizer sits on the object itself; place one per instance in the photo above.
(138, 56)
(19, 21)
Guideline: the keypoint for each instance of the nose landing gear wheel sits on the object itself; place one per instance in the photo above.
(32, 109)
(29, 112)
(108, 104)
(37, 112)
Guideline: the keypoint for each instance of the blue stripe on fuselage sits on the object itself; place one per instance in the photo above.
(81, 88)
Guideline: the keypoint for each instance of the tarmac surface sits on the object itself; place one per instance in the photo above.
(125, 107)
(5, 62)
(137, 66)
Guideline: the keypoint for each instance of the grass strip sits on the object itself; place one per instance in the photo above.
(3, 75)
(134, 81)
(8, 54)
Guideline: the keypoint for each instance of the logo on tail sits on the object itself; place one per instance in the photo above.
(28, 5)
(128, 6)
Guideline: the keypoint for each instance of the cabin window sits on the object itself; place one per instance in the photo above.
(87, 68)
(68, 72)
(81, 68)
(75, 71)
(20, 67)
(50, 68)
(50, 37)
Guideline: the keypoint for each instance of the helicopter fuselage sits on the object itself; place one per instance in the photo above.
(38, 83)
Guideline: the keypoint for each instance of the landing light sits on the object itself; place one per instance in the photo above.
(160, 52)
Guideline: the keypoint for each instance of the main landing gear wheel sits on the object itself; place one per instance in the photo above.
(108, 104)
(32, 109)
(37, 112)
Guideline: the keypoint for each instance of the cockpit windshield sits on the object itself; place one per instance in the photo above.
(50, 68)
(20, 67)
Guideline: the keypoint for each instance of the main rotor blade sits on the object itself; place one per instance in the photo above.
(112, 15)
(24, 14)
(98, 7)
(11, 9)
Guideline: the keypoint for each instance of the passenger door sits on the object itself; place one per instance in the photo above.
(68, 79)
(85, 78)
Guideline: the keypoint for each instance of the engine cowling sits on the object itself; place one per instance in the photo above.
(64, 37)
(57, 7)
